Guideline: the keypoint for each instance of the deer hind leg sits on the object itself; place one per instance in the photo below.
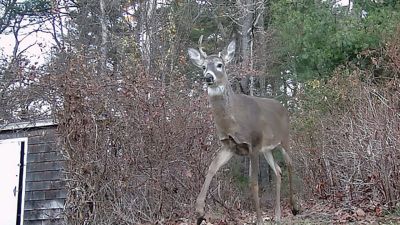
(277, 170)
(221, 159)
(289, 164)
(254, 171)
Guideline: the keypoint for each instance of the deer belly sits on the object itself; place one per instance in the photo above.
(241, 149)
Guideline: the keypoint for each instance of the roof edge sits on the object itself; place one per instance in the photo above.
(28, 124)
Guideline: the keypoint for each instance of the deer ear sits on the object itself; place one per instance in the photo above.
(196, 58)
(229, 52)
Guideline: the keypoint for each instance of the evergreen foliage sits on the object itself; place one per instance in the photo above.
(316, 37)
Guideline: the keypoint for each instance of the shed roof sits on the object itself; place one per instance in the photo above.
(28, 124)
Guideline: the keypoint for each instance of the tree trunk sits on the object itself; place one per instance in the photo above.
(246, 30)
(246, 7)
(260, 53)
(147, 10)
(104, 37)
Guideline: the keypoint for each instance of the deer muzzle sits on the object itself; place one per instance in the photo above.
(209, 78)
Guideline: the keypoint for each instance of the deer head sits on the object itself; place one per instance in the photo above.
(213, 66)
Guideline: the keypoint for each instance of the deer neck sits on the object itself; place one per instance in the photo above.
(221, 102)
(222, 92)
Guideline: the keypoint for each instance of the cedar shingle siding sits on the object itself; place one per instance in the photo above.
(44, 185)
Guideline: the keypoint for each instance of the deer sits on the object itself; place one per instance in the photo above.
(246, 126)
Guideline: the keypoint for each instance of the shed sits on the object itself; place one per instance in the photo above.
(32, 187)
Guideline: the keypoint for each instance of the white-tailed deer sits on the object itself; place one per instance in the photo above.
(246, 126)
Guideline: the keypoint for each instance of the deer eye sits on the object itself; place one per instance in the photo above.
(219, 65)
(204, 67)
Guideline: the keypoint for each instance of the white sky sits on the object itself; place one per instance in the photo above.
(41, 45)
(344, 3)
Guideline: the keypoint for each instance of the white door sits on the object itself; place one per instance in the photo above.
(10, 176)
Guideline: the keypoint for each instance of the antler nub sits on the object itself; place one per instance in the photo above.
(201, 48)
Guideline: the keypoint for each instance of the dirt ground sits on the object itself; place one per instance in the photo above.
(313, 213)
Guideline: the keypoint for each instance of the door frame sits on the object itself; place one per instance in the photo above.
(22, 177)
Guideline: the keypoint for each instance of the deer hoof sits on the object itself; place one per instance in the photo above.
(295, 211)
(200, 220)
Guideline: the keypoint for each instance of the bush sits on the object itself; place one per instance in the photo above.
(346, 132)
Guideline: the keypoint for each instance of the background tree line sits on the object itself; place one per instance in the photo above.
(132, 112)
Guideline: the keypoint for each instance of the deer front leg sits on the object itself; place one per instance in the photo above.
(221, 159)
(277, 171)
(254, 171)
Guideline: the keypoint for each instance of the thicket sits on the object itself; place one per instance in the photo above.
(346, 132)
(137, 149)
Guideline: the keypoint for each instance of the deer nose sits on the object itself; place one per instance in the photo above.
(209, 78)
